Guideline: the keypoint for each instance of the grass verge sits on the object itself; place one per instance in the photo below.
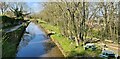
(67, 45)
(10, 42)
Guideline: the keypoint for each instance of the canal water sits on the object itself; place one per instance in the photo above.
(35, 43)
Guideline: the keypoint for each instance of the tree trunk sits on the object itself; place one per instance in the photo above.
(75, 29)
(119, 24)
(82, 25)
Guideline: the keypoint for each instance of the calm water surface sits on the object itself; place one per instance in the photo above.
(34, 43)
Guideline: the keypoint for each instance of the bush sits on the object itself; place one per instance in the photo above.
(8, 22)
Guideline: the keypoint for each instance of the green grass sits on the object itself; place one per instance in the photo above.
(10, 42)
(8, 49)
(68, 45)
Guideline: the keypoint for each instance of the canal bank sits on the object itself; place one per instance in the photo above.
(55, 41)
(35, 43)
(11, 40)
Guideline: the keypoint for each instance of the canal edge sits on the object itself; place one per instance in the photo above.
(56, 43)
(23, 31)
(59, 46)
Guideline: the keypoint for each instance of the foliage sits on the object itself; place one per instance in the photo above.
(68, 45)
(8, 22)
(83, 19)
(10, 42)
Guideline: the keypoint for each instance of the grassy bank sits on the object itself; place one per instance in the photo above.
(68, 45)
(10, 42)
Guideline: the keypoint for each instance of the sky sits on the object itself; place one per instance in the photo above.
(59, 0)
(35, 6)
(35, 0)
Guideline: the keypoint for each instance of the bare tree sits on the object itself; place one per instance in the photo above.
(17, 9)
(3, 7)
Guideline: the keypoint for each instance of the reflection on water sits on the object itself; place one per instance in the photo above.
(25, 40)
(54, 52)
(35, 44)
(49, 45)
(34, 29)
